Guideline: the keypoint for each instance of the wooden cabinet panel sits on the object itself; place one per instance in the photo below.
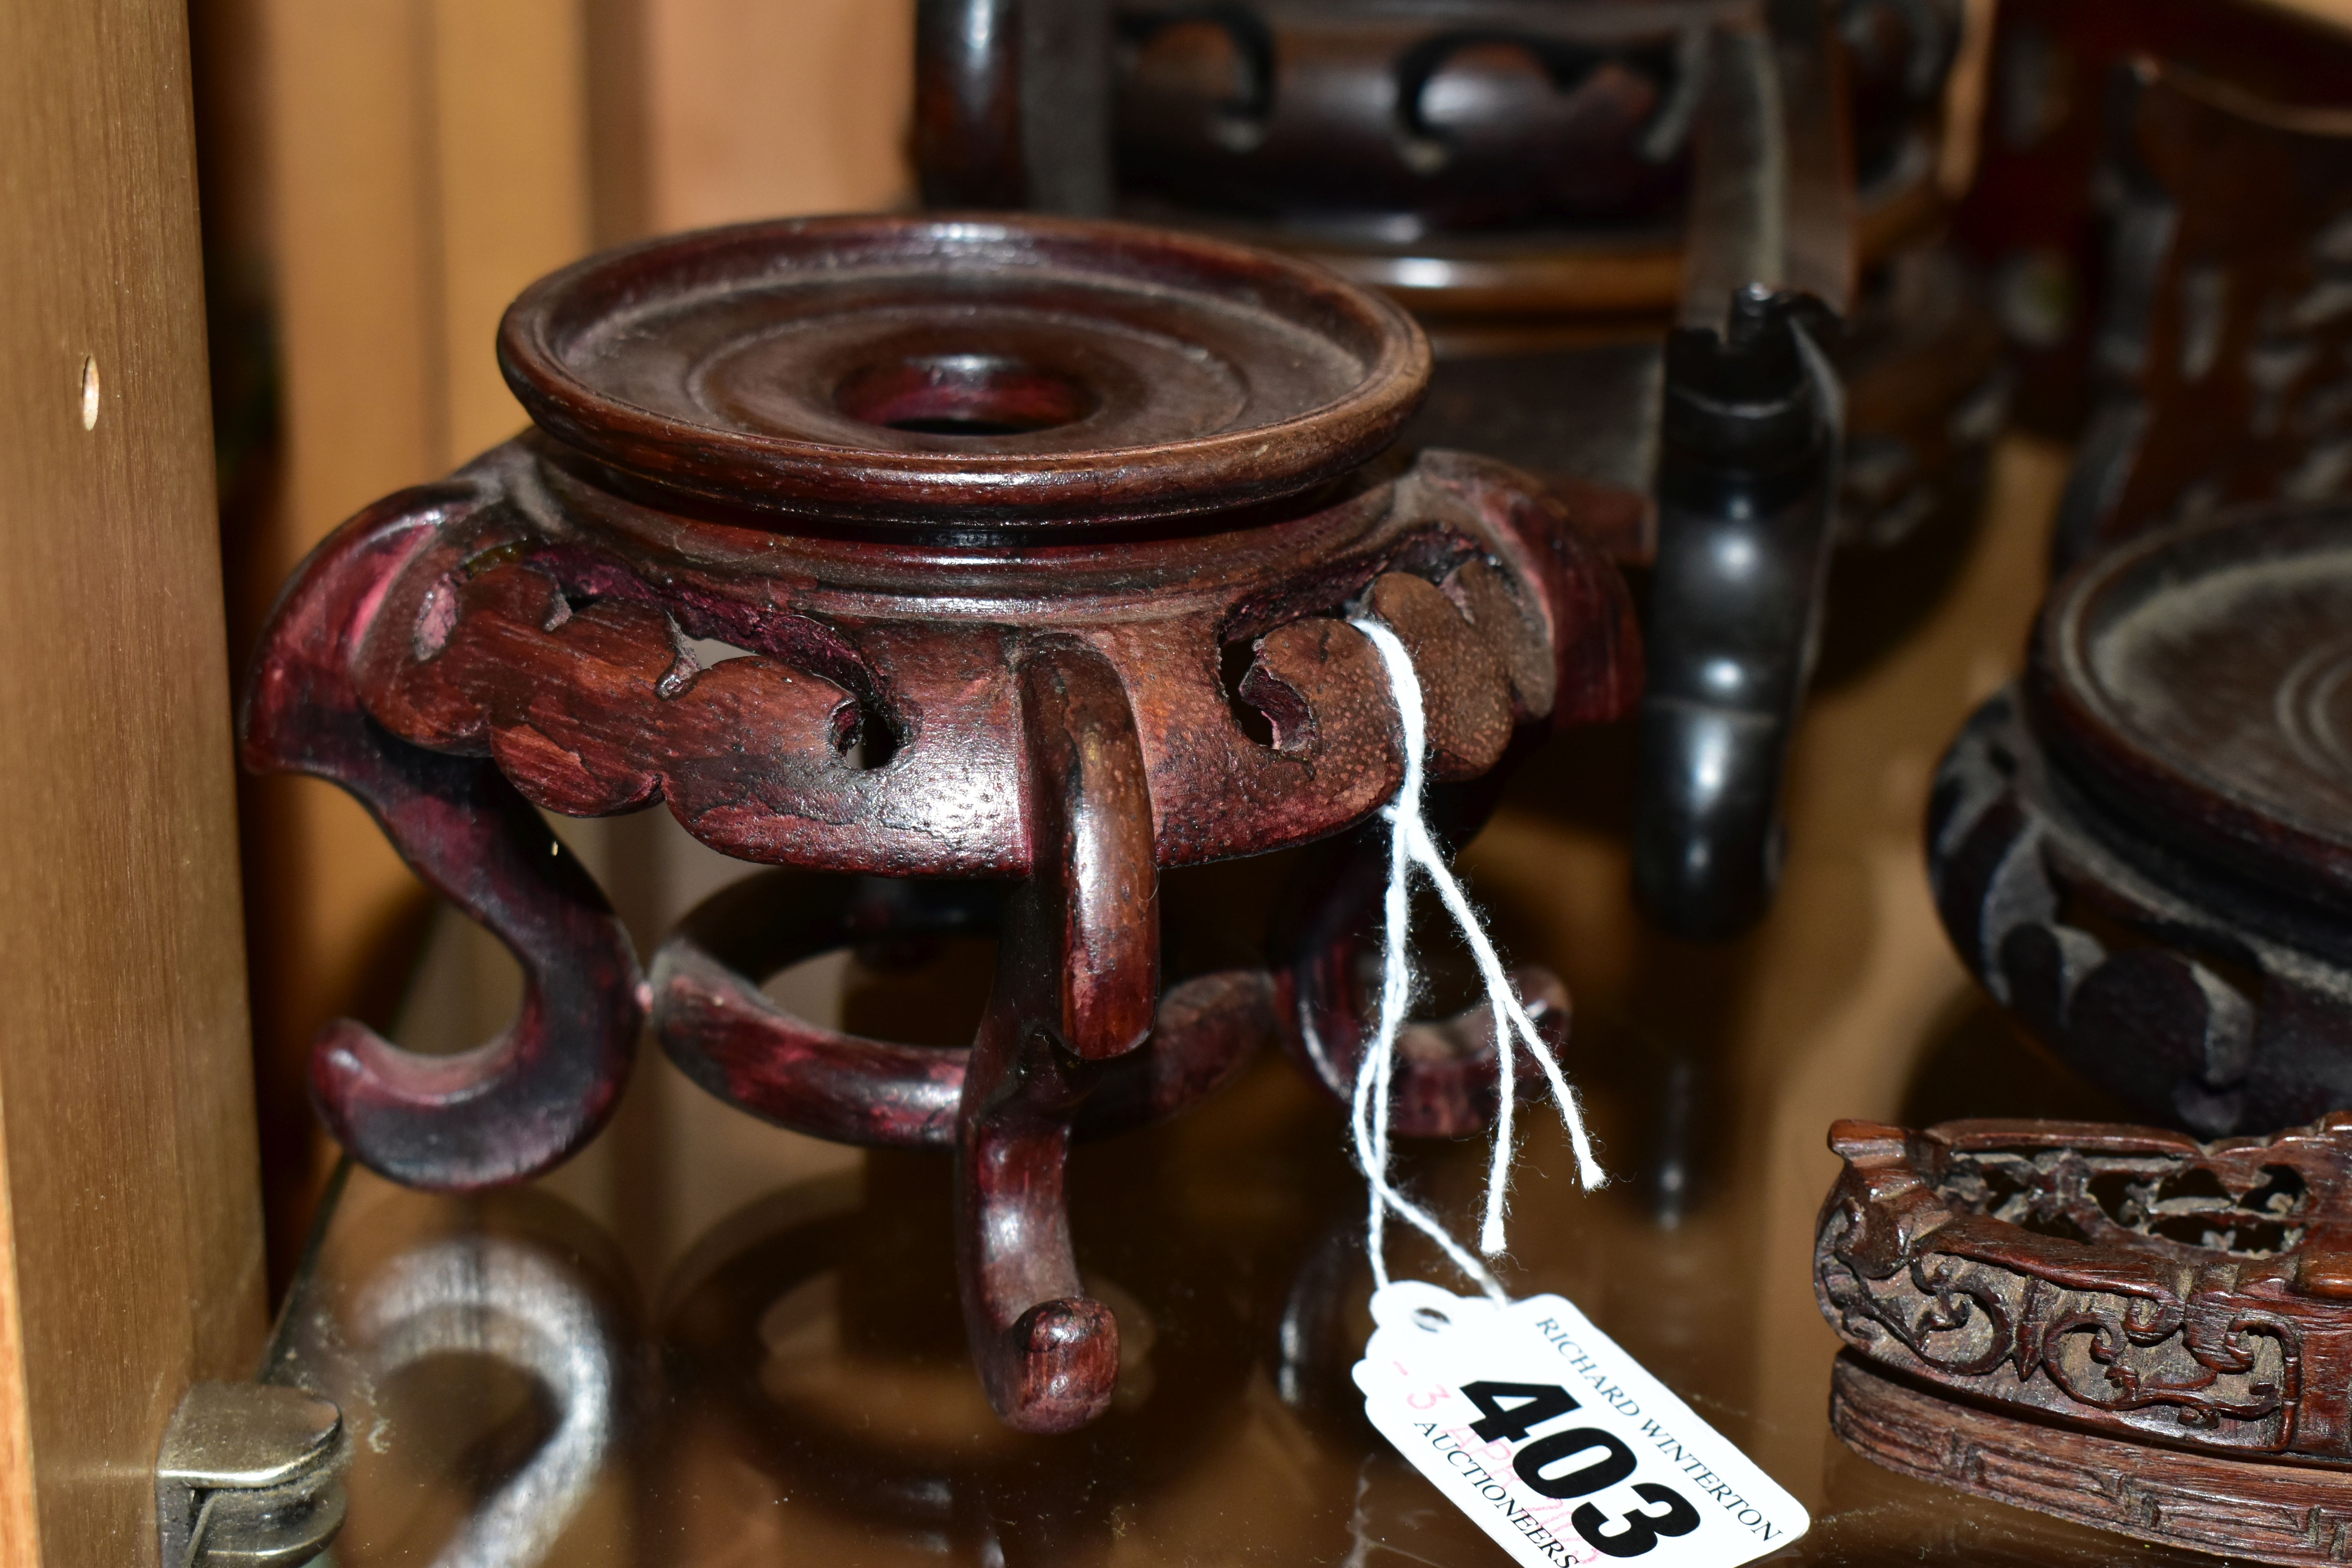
(132, 1244)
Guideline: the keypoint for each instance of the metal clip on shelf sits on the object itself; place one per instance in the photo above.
(250, 1475)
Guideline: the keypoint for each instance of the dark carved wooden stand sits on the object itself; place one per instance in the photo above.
(2145, 850)
(1552, 188)
(1036, 540)
(2223, 378)
(2114, 1324)
(2037, 217)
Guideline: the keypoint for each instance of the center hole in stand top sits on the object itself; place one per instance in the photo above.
(965, 394)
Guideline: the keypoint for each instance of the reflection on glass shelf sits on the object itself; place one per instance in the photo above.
(524, 1309)
(707, 1343)
(528, 1382)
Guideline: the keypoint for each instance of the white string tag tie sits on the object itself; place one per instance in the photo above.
(1526, 1416)
(1413, 850)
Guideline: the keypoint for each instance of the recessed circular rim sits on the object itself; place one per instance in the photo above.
(879, 486)
(2254, 836)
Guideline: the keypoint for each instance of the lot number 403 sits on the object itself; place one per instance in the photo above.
(1576, 1463)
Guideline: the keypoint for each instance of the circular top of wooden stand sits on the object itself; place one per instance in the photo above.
(965, 371)
(2201, 680)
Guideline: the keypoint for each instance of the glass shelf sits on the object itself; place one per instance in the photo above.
(707, 1343)
(527, 1382)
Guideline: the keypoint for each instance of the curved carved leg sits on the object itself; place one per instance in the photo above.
(523, 1103)
(1076, 977)
(726, 1035)
(1744, 484)
(1444, 1083)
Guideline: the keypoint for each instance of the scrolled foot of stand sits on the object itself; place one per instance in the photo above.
(2269, 1512)
(524, 1101)
(1060, 1362)
(1447, 1069)
(1078, 976)
(1047, 1355)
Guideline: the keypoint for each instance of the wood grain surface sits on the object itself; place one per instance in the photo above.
(132, 1227)
(2268, 1513)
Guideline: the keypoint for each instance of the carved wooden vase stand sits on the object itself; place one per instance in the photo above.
(1553, 189)
(2114, 1324)
(2144, 850)
(1038, 541)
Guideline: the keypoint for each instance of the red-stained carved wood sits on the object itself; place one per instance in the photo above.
(528, 1099)
(970, 571)
(565, 654)
(1326, 935)
(1551, 188)
(2188, 1305)
(1077, 974)
(732, 1039)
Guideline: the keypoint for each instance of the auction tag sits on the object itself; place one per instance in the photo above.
(1535, 1424)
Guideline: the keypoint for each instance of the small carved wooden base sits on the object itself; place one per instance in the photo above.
(2114, 1324)
(912, 558)
(2270, 1512)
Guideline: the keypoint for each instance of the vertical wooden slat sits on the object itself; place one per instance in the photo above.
(757, 107)
(613, 51)
(20, 1533)
(429, 160)
(362, 412)
(133, 1260)
(508, 84)
(426, 159)
(352, 147)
